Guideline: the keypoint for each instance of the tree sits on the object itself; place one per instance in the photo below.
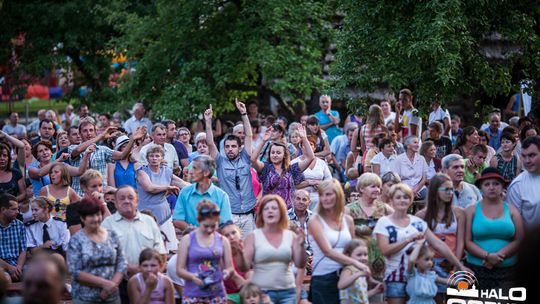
(438, 48)
(190, 54)
(57, 33)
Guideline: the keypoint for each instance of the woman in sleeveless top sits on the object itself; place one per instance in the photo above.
(271, 248)
(395, 234)
(494, 232)
(204, 259)
(447, 222)
(58, 192)
(508, 163)
(122, 172)
(155, 182)
(365, 213)
(362, 139)
(329, 231)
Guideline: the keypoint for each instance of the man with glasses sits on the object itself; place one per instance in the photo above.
(234, 170)
(464, 193)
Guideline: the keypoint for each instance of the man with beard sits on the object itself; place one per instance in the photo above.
(464, 193)
(234, 170)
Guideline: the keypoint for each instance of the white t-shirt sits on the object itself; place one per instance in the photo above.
(524, 194)
(390, 118)
(396, 265)
(438, 114)
(385, 163)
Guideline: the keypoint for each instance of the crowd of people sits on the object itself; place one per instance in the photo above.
(262, 210)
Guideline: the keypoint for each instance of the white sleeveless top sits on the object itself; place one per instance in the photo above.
(337, 240)
(272, 269)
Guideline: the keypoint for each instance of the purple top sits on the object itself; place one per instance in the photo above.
(282, 185)
(157, 296)
(204, 262)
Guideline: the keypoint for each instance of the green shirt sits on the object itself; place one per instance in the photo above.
(469, 175)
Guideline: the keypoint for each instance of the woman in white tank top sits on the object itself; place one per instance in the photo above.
(329, 231)
(271, 248)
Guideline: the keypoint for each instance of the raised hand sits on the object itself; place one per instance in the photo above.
(240, 106)
(108, 132)
(302, 132)
(63, 157)
(267, 134)
(91, 149)
(140, 133)
(208, 114)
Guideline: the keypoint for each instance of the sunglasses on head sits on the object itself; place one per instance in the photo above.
(237, 182)
(209, 211)
(227, 223)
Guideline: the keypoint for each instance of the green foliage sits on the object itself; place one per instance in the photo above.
(436, 48)
(193, 53)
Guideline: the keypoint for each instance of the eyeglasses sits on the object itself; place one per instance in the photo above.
(183, 134)
(446, 189)
(209, 211)
(237, 182)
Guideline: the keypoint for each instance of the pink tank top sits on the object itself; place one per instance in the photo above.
(158, 294)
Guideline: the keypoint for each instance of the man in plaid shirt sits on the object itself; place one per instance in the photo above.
(103, 154)
(12, 238)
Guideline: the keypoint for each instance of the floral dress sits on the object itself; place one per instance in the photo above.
(364, 228)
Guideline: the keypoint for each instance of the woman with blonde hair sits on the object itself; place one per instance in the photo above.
(272, 247)
(330, 229)
(395, 234)
(59, 192)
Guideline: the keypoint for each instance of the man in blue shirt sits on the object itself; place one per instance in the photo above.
(185, 210)
(234, 170)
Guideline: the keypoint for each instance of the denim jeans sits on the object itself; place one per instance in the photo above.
(285, 296)
(323, 288)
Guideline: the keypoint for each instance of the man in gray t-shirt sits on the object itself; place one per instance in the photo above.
(234, 170)
(464, 193)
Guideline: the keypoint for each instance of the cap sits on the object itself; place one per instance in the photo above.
(120, 141)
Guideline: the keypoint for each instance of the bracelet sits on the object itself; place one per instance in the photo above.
(243, 114)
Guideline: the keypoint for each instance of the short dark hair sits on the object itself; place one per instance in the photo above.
(511, 130)
(90, 205)
(235, 138)
(508, 136)
(533, 140)
(6, 199)
(383, 142)
(45, 121)
(437, 126)
(72, 128)
(106, 115)
(168, 122)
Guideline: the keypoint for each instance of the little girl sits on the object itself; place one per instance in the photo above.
(252, 294)
(353, 283)
(150, 285)
(422, 280)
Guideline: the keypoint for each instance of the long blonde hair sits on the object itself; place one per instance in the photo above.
(334, 185)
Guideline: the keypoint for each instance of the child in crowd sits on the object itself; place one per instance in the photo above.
(476, 164)
(150, 285)
(252, 294)
(238, 278)
(422, 280)
(353, 283)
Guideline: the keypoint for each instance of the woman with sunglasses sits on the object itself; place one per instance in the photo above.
(271, 248)
(204, 259)
(278, 175)
(447, 222)
(46, 232)
(59, 192)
